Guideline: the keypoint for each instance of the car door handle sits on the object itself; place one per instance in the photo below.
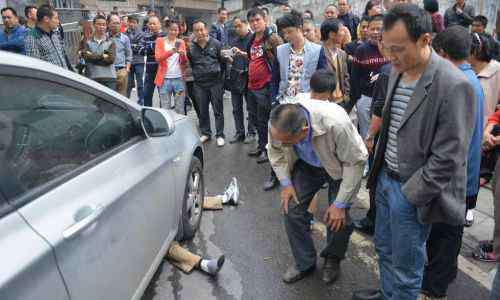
(85, 222)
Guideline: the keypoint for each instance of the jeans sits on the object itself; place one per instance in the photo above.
(238, 114)
(136, 75)
(399, 241)
(443, 248)
(495, 289)
(259, 109)
(205, 96)
(190, 95)
(149, 84)
(307, 180)
(363, 107)
(172, 87)
(108, 82)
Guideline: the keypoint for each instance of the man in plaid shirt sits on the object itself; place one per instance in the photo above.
(43, 41)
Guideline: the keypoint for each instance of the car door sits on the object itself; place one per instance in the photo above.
(28, 268)
(90, 184)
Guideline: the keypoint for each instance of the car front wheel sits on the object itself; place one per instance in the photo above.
(192, 205)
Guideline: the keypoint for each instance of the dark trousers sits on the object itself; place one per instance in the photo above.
(372, 211)
(136, 78)
(259, 109)
(443, 248)
(238, 114)
(190, 96)
(108, 82)
(307, 180)
(205, 96)
(149, 84)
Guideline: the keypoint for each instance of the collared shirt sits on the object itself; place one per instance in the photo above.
(46, 46)
(13, 40)
(123, 50)
(295, 71)
(304, 149)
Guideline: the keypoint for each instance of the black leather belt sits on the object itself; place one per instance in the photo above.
(119, 68)
(392, 174)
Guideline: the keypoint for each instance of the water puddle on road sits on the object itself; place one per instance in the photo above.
(171, 283)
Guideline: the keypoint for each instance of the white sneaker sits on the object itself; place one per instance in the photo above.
(220, 142)
(469, 218)
(204, 138)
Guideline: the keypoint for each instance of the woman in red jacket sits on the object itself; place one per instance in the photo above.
(170, 53)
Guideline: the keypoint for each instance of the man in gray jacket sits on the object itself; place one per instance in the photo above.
(312, 143)
(459, 14)
(420, 162)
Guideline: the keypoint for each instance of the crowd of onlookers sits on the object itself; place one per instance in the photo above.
(342, 59)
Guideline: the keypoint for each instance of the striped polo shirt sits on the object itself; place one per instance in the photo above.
(400, 99)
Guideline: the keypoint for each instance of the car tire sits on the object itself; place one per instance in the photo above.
(192, 204)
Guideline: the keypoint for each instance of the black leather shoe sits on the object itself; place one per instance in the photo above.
(262, 159)
(331, 270)
(271, 183)
(368, 294)
(237, 139)
(365, 226)
(255, 152)
(293, 275)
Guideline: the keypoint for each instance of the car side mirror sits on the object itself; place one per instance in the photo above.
(156, 122)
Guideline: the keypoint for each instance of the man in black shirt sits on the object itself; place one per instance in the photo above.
(206, 59)
(148, 45)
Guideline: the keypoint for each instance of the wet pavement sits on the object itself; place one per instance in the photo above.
(253, 239)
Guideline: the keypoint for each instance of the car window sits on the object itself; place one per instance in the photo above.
(48, 129)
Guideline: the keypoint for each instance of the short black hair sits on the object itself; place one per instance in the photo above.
(482, 46)
(308, 12)
(330, 25)
(323, 81)
(288, 118)
(254, 12)
(431, 6)
(437, 42)
(374, 18)
(27, 10)
(200, 21)
(221, 9)
(455, 41)
(14, 12)
(45, 11)
(365, 18)
(481, 19)
(416, 20)
(133, 18)
(100, 17)
(291, 19)
(151, 18)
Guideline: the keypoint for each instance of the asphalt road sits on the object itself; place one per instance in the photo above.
(253, 239)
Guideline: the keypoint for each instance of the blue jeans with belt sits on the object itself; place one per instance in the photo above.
(399, 241)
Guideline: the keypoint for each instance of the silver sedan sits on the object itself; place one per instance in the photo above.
(93, 188)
